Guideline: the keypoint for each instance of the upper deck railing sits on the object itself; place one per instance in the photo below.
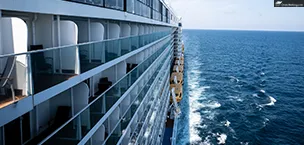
(153, 9)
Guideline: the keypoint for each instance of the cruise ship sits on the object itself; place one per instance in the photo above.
(89, 72)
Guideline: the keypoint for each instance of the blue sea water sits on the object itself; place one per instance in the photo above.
(242, 87)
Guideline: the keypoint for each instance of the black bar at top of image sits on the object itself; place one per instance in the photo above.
(288, 3)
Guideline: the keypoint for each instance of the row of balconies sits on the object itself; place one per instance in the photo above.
(114, 91)
(137, 132)
(101, 109)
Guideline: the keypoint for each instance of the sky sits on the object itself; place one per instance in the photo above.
(238, 15)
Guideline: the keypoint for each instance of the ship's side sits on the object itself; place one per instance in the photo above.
(86, 71)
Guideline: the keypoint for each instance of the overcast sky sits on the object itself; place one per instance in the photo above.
(238, 14)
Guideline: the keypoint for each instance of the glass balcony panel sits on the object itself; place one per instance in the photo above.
(125, 46)
(112, 50)
(51, 67)
(126, 119)
(112, 96)
(124, 84)
(134, 43)
(134, 75)
(91, 55)
(114, 137)
(14, 80)
(71, 132)
(97, 110)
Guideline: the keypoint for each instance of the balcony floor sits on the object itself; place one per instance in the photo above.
(5, 100)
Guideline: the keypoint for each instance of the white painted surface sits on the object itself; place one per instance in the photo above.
(114, 31)
(83, 34)
(14, 40)
(124, 106)
(113, 120)
(125, 30)
(141, 30)
(110, 74)
(97, 34)
(81, 96)
(146, 29)
(43, 26)
(99, 135)
(140, 57)
(132, 60)
(68, 36)
(134, 30)
(121, 69)
(96, 81)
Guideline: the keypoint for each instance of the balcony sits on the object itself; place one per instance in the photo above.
(29, 73)
(104, 105)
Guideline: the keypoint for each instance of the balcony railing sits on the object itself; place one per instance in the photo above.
(78, 126)
(31, 72)
(117, 133)
(137, 102)
(154, 101)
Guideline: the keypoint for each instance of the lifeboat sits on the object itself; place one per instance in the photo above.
(179, 62)
(178, 89)
(179, 78)
(179, 67)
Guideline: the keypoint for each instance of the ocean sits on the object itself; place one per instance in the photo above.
(242, 88)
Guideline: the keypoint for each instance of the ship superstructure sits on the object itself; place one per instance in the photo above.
(86, 71)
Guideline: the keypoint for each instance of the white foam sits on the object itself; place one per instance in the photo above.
(209, 115)
(206, 141)
(255, 95)
(232, 78)
(232, 98)
(266, 120)
(227, 123)
(211, 105)
(262, 91)
(195, 93)
(262, 73)
(271, 103)
(221, 138)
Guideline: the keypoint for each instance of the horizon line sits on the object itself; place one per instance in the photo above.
(244, 29)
